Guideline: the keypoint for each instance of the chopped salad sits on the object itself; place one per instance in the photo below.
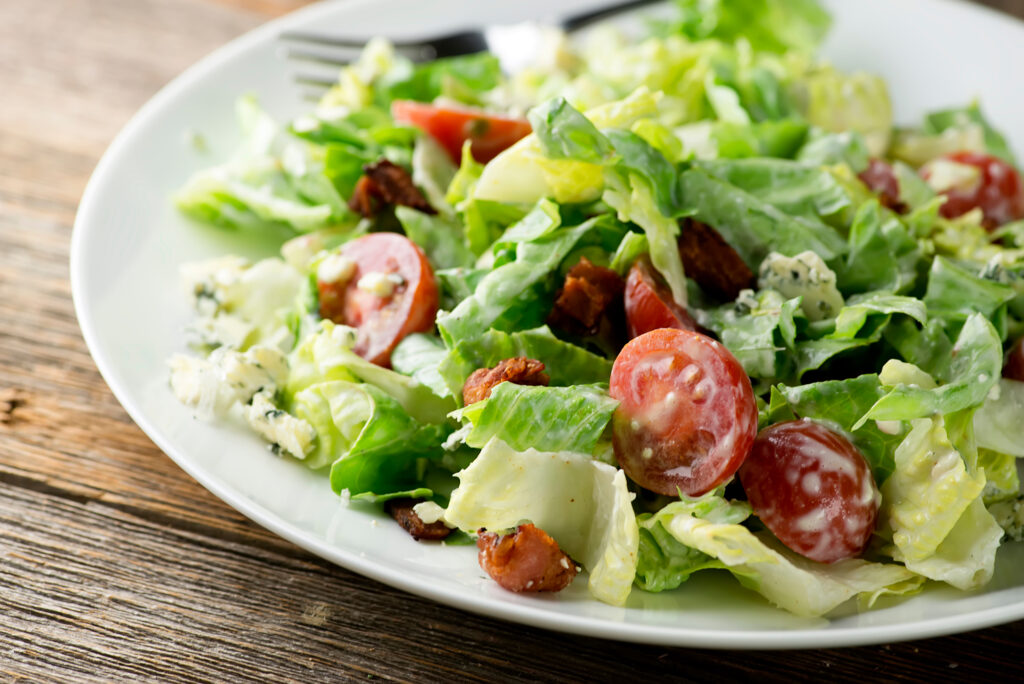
(647, 307)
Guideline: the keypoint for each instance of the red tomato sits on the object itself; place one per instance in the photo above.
(489, 134)
(649, 302)
(882, 181)
(686, 417)
(999, 193)
(813, 489)
(382, 321)
(1014, 367)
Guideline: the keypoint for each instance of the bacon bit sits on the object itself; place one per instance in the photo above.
(881, 179)
(590, 291)
(712, 262)
(386, 183)
(525, 560)
(402, 511)
(520, 371)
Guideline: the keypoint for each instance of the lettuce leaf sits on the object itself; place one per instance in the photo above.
(380, 443)
(882, 254)
(972, 368)
(420, 355)
(760, 563)
(663, 563)
(771, 25)
(752, 226)
(795, 188)
(327, 355)
(565, 363)
(939, 122)
(519, 294)
(545, 418)
(928, 492)
(440, 238)
(583, 504)
(998, 422)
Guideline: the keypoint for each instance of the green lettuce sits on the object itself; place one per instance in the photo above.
(663, 563)
(519, 294)
(440, 238)
(420, 355)
(882, 254)
(771, 25)
(932, 505)
(998, 421)
(753, 226)
(565, 363)
(327, 355)
(583, 504)
(802, 587)
(968, 374)
(545, 418)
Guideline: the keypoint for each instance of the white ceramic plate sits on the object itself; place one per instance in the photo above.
(128, 243)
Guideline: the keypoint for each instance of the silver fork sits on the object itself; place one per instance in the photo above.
(505, 41)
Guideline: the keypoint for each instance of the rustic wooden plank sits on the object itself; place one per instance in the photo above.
(92, 592)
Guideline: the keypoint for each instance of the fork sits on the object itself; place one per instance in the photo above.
(505, 41)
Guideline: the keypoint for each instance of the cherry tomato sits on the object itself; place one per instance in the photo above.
(882, 181)
(813, 489)
(999, 192)
(405, 303)
(1014, 367)
(649, 302)
(686, 417)
(489, 134)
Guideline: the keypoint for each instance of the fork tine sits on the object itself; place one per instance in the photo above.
(315, 81)
(340, 42)
(316, 57)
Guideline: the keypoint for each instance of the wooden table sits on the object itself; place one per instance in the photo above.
(114, 564)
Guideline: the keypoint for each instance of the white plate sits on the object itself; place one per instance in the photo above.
(128, 242)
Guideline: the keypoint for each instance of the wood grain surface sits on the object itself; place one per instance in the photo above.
(114, 564)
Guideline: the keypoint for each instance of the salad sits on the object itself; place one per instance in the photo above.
(647, 307)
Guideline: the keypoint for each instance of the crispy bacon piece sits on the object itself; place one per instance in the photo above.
(386, 183)
(525, 560)
(402, 511)
(520, 370)
(589, 292)
(712, 262)
(881, 179)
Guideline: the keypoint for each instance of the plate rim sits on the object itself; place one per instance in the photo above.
(775, 639)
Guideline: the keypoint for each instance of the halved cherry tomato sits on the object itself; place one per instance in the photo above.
(813, 489)
(488, 133)
(999, 192)
(382, 319)
(649, 302)
(882, 181)
(686, 417)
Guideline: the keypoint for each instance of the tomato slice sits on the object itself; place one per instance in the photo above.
(813, 489)
(404, 300)
(686, 417)
(649, 302)
(998, 192)
(489, 134)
